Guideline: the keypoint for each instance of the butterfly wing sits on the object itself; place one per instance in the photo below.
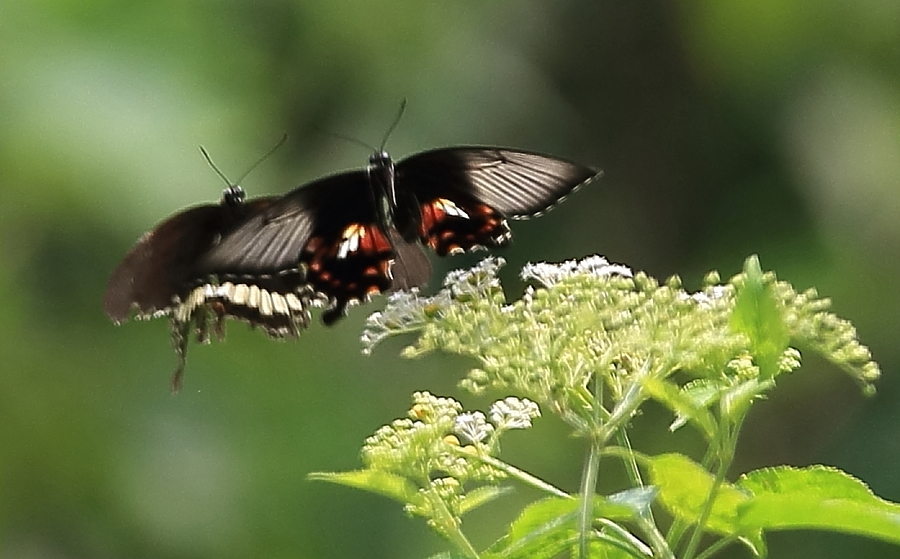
(466, 194)
(158, 268)
(330, 231)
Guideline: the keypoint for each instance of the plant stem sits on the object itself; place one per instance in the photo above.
(449, 526)
(516, 473)
(631, 466)
(658, 543)
(716, 547)
(586, 507)
(726, 457)
(680, 526)
(626, 541)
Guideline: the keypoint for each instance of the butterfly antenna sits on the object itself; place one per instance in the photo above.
(214, 168)
(394, 124)
(343, 137)
(280, 143)
(254, 166)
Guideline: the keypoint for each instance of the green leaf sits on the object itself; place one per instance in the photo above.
(817, 497)
(548, 527)
(376, 481)
(757, 315)
(540, 514)
(736, 401)
(481, 495)
(684, 488)
(544, 529)
(685, 407)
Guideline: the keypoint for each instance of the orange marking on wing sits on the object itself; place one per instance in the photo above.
(432, 213)
(312, 245)
(370, 271)
(375, 240)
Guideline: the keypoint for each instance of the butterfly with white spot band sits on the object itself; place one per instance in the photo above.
(334, 242)
(158, 277)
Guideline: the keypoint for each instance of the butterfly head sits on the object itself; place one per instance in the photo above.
(233, 196)
(380, 159)
(381, 175)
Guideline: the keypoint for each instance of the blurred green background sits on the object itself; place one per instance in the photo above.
(723, 129)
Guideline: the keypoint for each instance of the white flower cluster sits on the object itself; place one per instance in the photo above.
(513, 413)
(550, 274)
(510, 413)
(473, 426)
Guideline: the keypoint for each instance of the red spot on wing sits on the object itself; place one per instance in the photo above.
(451, 225)
(349, 265)
(372, 240)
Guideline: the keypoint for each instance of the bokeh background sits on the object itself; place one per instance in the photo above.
(724, 129)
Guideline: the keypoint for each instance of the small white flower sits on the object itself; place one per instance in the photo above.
(513, 413)
(473, 426)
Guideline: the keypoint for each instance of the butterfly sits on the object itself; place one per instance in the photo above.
(159, 277)
(334, 242)
(360, 233)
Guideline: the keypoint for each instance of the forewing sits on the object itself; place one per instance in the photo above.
(267, 242)
(518, 184)
(464, 195)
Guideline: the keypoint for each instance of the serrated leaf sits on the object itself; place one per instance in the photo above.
(375, 481)
(543, 530)
(541, 513)
(603, 550)
(757, 315)
(817, 497)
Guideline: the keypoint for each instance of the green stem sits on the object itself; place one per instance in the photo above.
(727, 456)
(647, 523)
(694, 542)
(680, 526)
(626, 541)
(657, 542)
(586, 507)
(514, 472)
(591, 469)
(449, 526)
(633, 398)
(631, 466)
(716, 547)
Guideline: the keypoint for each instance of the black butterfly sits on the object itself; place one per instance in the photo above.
(356, 234)
(336, 241)
(159, 277)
